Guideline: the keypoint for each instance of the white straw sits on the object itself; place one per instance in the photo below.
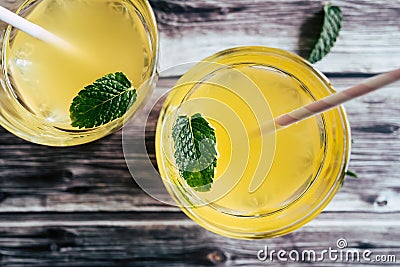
(324, 104)
(32, 29)
(334, 100)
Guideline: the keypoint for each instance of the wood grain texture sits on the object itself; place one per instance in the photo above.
(146, 239)
(79, 206)
(192, 30)
(94, 177)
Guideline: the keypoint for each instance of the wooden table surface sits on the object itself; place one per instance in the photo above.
(79, 206)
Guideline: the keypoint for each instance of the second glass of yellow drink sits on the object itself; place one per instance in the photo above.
(266, 182)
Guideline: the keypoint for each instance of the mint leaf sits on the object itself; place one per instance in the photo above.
(195, 151)
(329, 33)
(107, 99)
(351, 174)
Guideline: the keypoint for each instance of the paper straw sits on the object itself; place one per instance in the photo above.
(324, 104)
(338, 98)
(32, 29)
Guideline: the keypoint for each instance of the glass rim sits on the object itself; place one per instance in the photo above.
(338, 180)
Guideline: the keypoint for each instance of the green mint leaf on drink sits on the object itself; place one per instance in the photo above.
(107, 99)
(195, 151)
(329, 33)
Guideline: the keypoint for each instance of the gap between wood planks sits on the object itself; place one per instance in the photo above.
(187, 222)
(327, 220)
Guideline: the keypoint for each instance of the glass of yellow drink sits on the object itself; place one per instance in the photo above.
(296, 170)
(39, 80)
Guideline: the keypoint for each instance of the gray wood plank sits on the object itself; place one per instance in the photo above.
(368, 42)
(94, 177)
(146, 239)
(79, 206)
(192, 30)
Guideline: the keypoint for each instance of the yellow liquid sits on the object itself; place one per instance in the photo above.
(244, 153)
(108, 36)
(238, 101)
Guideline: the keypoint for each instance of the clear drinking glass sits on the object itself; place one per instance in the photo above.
(297, 169)
(39, 81)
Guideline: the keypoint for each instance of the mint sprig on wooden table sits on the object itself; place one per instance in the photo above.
(107, 99)
(195, 151)
(329, 33)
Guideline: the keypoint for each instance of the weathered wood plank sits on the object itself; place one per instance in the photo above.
(94, 177)
(137, 239)
(79, 206)
(375, 123)
(191, 30)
